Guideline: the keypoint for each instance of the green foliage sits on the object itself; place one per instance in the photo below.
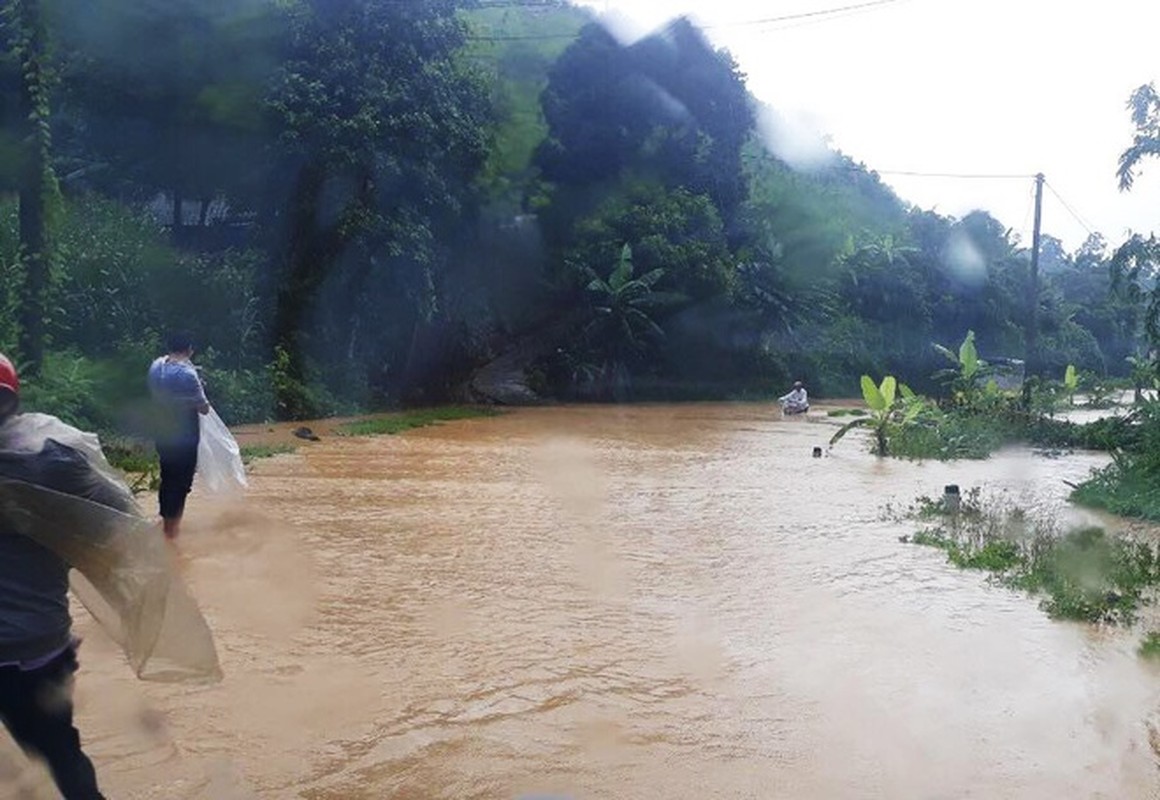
(1125, 489)
(675, 231)
(1143, 376)
(952, 435)
(136, 460)
(892, 407)
(294, 398)
(668, 106)
(517, 72)
(196, 74)
(401, 191)
(383, 128)
(1090, 576)
(397, 423)
(253, 452)
(1081, 574)
(1150, 646)
(1071, 383)
(1130, 485)
(1145, 107)
(239, 395)
(83, 392)
(970, 375)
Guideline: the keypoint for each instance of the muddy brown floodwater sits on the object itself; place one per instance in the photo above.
(645, 602)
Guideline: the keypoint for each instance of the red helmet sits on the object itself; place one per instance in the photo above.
(8, 378)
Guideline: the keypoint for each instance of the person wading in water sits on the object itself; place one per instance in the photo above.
(180, 396)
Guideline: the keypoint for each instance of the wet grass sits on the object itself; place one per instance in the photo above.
(846, 412)
(1150, 646)
(136, 459)
(404, 421)
(1082, 574)
(253, 452)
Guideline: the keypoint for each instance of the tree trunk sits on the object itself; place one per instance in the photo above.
(178, 226)
(35, 186)
(300, 269)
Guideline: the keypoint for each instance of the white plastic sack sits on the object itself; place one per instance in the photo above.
(219, 460)
(72, 502)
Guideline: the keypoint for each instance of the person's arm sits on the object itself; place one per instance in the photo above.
(193, 389)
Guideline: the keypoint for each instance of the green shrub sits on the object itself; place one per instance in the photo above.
(1150, 646)
(1080, 574)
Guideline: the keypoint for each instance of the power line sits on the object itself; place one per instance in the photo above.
(985, 176)
(818, 15)
(824, 12)
(1030, 208)
(1071, 211)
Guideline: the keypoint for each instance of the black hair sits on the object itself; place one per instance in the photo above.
(179, 341)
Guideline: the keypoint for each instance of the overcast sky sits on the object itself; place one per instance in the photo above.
(956, 86)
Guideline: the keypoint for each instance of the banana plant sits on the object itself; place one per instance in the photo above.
(968, 371)
(890, 403)
(1070, 383)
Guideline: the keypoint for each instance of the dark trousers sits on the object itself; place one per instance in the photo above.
(178, 463)
(36, 707)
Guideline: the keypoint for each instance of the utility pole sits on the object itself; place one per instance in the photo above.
(1032, 356)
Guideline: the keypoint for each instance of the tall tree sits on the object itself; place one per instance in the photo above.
(166, 95)
(1144, 105)
(1135, 264)
(381, 133)
(669, 107)
(30, 166)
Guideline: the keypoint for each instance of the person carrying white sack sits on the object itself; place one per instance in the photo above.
(180, 398)
(69, 522)
(38, 653)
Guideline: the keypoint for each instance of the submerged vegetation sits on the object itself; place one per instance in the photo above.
(1082, 573)
(974, 417)
(1130, 485)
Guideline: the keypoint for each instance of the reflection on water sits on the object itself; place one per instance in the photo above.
(664, 602)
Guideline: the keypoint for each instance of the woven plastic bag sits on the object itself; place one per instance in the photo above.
(219, 459)
(57, 489)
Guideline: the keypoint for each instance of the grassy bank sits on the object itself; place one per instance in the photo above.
(1130, 485)
(390, 424)
(1127, 488)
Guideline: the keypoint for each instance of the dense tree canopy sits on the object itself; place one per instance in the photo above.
(357, 202)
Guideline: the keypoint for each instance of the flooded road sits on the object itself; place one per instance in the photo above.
(645, 602)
